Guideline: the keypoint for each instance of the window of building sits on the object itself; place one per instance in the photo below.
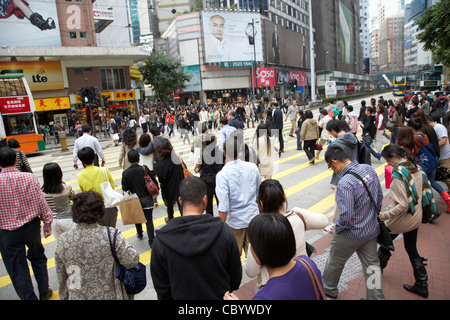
(83, 35)
(72, 35)
(113, 78)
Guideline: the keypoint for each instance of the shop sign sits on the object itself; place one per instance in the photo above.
(11, 105)
(124, 95)
(266, 77)
(299, 76)
(49, 104)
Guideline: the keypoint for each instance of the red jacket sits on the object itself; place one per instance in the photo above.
(170, 118)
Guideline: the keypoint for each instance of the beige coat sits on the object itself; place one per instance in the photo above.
(266, 160)
(85, 266)
(397, 218)
(310, 130)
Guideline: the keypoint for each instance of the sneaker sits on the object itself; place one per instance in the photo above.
(329, 228)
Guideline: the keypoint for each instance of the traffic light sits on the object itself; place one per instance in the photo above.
(294, 83)
(84, 93)
(94, 96)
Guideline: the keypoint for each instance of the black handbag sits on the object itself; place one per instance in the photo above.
(442, 174)
(384, 239)
(134, 279)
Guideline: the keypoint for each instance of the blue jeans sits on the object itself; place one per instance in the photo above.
(171, 129)
(436, 186)
(299, 143)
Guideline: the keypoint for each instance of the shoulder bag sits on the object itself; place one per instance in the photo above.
(134, 279)
(152, 187)
(427, 157)
(317, 286)
(111, 197)
(384, 239)
(186, 172)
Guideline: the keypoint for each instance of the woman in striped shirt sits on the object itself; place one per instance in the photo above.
(59, 198)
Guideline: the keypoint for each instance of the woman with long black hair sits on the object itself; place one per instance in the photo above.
(58, 196)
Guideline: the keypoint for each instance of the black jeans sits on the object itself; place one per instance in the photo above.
(169, 204)
(410, 242)
(14, 254)
(148, 213)
(308, 146)
(210, 194)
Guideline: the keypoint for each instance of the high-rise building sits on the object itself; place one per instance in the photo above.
(391, 36)
(364, 27)
(415, 56)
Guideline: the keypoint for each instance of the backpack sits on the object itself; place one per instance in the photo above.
(363, 154)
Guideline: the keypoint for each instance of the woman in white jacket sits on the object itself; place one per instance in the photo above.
(264, 146)
(272, 199)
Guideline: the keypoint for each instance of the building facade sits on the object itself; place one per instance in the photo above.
(70, 50)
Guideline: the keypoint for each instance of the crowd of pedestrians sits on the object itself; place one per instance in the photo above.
(252, 219)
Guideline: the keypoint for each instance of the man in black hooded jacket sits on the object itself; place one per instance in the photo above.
(195, 257)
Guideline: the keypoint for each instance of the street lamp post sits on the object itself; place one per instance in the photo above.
(311, 43)
(251, 39)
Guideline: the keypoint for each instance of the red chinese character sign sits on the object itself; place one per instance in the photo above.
(11, 105)
(266, 77)
(299, 76)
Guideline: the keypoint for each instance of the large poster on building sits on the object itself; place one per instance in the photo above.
(29, 23)
(346, 33)
(230, 36)
(195, 84)
(40, 75)
(286, 47)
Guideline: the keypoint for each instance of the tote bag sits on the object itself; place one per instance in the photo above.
(131, 211)
(111, 198)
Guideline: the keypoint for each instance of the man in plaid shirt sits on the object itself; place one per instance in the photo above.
(22, 207)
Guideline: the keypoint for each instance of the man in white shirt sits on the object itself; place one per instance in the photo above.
(237, 186)
(204, 116)
(87, 140)
(292, 115)
(442, 135)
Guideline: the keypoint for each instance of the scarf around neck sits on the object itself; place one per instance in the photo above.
(403, 172)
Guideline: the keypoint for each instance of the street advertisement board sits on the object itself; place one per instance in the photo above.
(227, 37)
(286, 47)
(40, 75)
(195, 84)
(346, 33)
(266, 77)
(29, 23)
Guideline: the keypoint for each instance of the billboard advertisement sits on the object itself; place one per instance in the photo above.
(40, 75)
(29, 23)
(346, 33)
(227, 37)
(266, 77)
(195, 84)
(286, 47)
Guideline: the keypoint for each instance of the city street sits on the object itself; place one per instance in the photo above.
(306, 186)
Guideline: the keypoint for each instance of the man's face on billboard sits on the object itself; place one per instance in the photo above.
(217, 26)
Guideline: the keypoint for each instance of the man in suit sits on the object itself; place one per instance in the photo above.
(277, 115)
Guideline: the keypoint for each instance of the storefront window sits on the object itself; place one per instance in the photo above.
(18, 124)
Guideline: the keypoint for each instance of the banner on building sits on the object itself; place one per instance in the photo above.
(228, 36)
(40, 75)
(17, 28)
(346, 33)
